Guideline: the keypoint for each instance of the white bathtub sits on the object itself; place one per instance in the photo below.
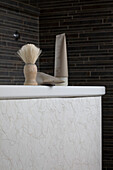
(50, 128)
(12, 92)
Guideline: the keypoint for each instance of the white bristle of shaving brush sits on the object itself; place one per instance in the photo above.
(29, 53)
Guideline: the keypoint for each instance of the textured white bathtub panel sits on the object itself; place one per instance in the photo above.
(50, 134)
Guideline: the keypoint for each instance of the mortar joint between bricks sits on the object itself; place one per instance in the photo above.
(102, 21)
(80, 8)
(67, 26)
(78, 35)
(90, 73)
(98, 47)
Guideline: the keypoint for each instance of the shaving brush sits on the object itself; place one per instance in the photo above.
(29, 53)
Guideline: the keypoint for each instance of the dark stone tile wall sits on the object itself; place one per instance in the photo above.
(30, 2)
(15, 15)
(88, 25)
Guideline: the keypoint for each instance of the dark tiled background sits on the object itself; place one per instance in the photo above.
(88, 25)
(24, 18)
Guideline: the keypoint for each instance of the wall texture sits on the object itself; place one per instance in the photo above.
(30, 2)
(88, 25)
(15, 15)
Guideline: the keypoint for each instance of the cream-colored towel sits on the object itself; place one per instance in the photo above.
(46, 79)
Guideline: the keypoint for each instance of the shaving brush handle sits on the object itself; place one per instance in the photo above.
(30, 73)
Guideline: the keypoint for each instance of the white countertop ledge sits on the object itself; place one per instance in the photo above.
(23, 92)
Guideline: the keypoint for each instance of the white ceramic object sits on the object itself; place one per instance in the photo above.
(11, 92)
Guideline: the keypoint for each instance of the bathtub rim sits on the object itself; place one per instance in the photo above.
(24, 92)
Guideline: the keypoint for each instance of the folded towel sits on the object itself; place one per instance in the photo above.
(46, 79)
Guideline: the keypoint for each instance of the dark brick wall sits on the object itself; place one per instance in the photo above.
(15, 15)
(88, 25)
(30, 2)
